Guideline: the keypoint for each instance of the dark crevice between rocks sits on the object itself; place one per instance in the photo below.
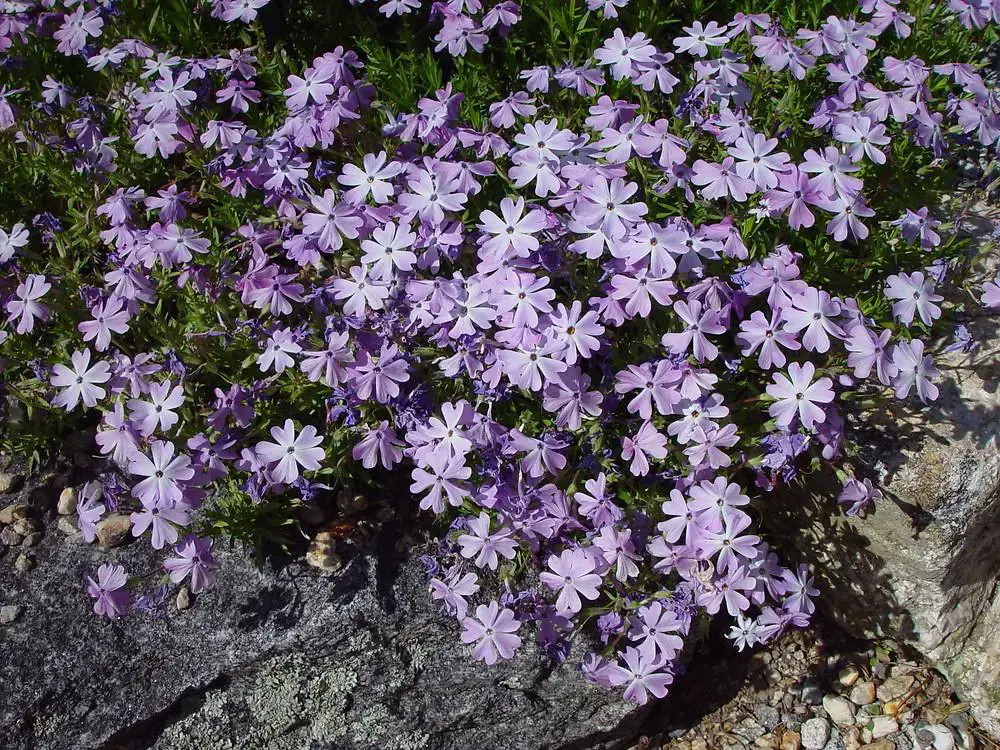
(144, 733)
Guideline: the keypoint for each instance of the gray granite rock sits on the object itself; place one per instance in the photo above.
(287, 658)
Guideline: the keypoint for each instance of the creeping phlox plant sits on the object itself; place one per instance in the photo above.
(597, 301)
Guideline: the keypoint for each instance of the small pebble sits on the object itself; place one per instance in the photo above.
(25, 526)
(812, 692)
(32, 539)
(840, 710)
(183, 601)
(767, 742)
(749, 729)
(936, 736)
(815, 733)
(9, 613)
(879, 745)
(848, 676)
(67, 501)
(67, 526)
(895, 687)
(11, 513)
(883, 726)
(863, 693)
(790, 741)
(768, 717)
(113, 530)
(10, 483)
(24, 563)
(322, 553)
(9, 537)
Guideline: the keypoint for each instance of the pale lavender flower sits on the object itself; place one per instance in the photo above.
(915, 295)
(573, 575)
(641, 673)
(82, 383)
(797, 395)
(485, 547)
(290, 451)
(914, 369)
(194, 558)
(108, 590)
(493, 631)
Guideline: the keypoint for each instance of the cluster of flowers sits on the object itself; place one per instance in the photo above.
(461, 29)
(584, 388)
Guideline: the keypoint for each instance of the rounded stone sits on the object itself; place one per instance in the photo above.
(183, 600)
(25, 526)
(815, 733)
(9, 613)
(839, 709)
(113, 530)
(10, 482)
(12, 513)
(863, 693)
(883, 726)
(67, 501)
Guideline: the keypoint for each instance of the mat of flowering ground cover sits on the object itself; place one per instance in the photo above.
(597, 275)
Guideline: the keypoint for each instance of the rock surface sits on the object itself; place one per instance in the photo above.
(287, 658)
(924, 567)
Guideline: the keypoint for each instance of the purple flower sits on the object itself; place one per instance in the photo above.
(916, 296)
(862, 137)
(769, 337)
(605, 204)
(813, 311)
(157, 413)
(289, 451)
(454, 590)
(380, 445)
(858, 495)
(658, 624)
(161, 515)
(492, 630)
(194, 558)
(727, 542)
(597, 504)
(868, 350)
(698, 322)
(618, 550)
(914, 369)
(721, 180)
(754, 160)
(641, 672)
(573, 575)
(444, 480)
(108, 590)
(646, 443)
(24, 307)
(699, 38)
(483, 545)
(164, 474)
(797, 395)
(795, 192)
(82, 383)
(373, 179)
(991, 294)
(89, 510)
